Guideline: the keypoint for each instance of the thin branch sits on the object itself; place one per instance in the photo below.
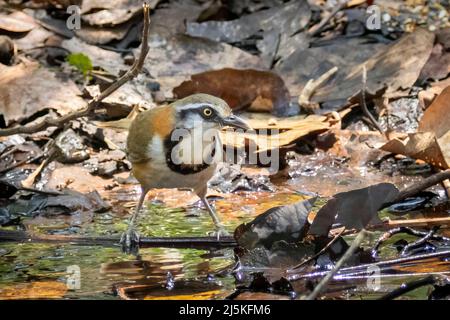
(361, 270)
(420, 186)
(93, 104)
(408, 230)
(324, 282)
(329, 244)
(316, 29)
(180, 242)
(410, 286)
(363, 101)
(304, 100)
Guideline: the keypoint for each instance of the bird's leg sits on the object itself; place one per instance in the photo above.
(220, 230)
(130, 239)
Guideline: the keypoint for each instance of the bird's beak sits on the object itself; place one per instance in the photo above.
(235, 122)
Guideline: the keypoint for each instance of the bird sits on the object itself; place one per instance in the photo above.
(177, 146)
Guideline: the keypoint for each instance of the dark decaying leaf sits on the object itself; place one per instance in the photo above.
(70, 202)
(390, 68)
(239, 88)
(286, 19)
(353, 209)
(398, 67)
(305, 64)
(281, 255)
(278, 27)
(7, 189)
(438, 66)
(288, 223)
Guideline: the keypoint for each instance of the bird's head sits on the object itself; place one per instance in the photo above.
(206, 110)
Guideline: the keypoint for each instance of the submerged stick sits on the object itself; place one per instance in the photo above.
(151, 242)
(324, 282)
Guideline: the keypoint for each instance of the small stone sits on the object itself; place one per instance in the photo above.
(386, 17)
(158, 97)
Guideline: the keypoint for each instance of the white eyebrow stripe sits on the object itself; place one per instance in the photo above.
(195, 105)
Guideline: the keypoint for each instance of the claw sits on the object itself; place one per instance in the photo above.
(220, 232)
(129, 242)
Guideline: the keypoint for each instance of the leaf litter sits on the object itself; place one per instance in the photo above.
(291, 228)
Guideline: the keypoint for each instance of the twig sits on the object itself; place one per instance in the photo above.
(304, 100)
(423, 237)
(316, 29)
(410, 286)
(19, 163)
(323, 283)
(363, 101)
(336, 237)
(180, 242)
(92, 105)
(419, 242)
(420, 186)
(362, 269)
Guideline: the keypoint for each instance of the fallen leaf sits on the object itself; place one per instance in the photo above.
(110, 61)
(17, 22)
(287, 18)
(275, 138)
(104, 35)
(436, 118)
(280, 26)
(239, 88)
(437, 66)
(101, 12)
(432, 142)
(389, 68)
(175, 58)
(397, 67)
(288, 223)
(26, 89)
(353, 209)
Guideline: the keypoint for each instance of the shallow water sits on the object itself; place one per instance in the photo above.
(30, 270)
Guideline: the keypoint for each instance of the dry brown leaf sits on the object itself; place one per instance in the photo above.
(27, 88)
(176, 58)
(298, 128)
(96, 35)
(34, 290)
(17, 22)
(432, 142)
(437, 117)
(112, 12)
(240, 88)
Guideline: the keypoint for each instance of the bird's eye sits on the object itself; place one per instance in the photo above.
(207, 112)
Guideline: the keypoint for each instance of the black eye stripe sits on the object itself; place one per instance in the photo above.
(199, 110)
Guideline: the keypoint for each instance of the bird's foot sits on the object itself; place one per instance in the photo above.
(129, 242)
(219, 232)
